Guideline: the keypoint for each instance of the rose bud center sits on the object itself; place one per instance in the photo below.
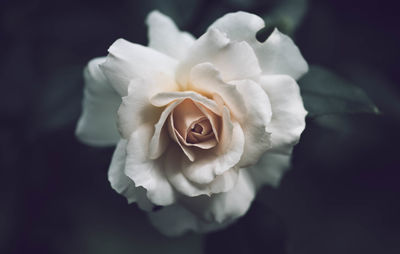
(192, 125)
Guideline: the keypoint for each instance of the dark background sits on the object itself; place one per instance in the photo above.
(341, 196)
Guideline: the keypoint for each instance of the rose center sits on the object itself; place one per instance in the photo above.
(200, 130)
(197, 128)
(192, 125)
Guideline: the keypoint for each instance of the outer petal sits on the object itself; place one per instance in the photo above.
(97, 124)
(227, 206)
(258, 118)
(118, 180)
(165, 37)
(240, 26)
(270, 169)
(234, 60)
(176, 220)
(287, 123)
(221, 183)
(123, 184)
(277, 55)
(127, 61)
(136, 109)
(146, 172)
(288, 113)
(206, 214)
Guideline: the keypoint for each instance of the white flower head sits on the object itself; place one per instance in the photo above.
(199, 124)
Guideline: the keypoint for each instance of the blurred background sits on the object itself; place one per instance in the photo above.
(341, 196)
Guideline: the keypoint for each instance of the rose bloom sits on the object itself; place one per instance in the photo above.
(199, 124)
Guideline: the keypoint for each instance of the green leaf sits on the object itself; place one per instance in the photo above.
(326, 93)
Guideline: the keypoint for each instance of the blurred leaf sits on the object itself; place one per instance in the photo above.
(259, 231)
(250, 5)
(326, 93)
(181, 11)
(287, 15)
(60, 103)
(381, 89)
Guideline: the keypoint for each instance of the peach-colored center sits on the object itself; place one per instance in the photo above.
(194, 125)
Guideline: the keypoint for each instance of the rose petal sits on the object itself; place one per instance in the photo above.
(160, 139)
(277, 55)
(118, 180)
(255, 124)
(123, 184)
(234, 60)
(188, 151)
(136, 109)
(288, 113)
(239, 26)
(164, 98)
(97, 123)
(248, 103)
(214, 119)
(206, 214)
(165, 37)
(226, 206)
(146, 172)
(127, 61)
(270, 169)
(205, 79)
(173, 169)
(176, 220)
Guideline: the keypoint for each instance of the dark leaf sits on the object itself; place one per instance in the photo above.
(60, 103)
(326, 93)
(259, 231)
(286, 15)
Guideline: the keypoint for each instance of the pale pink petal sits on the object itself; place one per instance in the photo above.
(186, 115)
(164, 98)
(161, 139)
(188, 151)
(197, 177)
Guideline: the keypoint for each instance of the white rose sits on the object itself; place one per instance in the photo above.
(200, 124)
